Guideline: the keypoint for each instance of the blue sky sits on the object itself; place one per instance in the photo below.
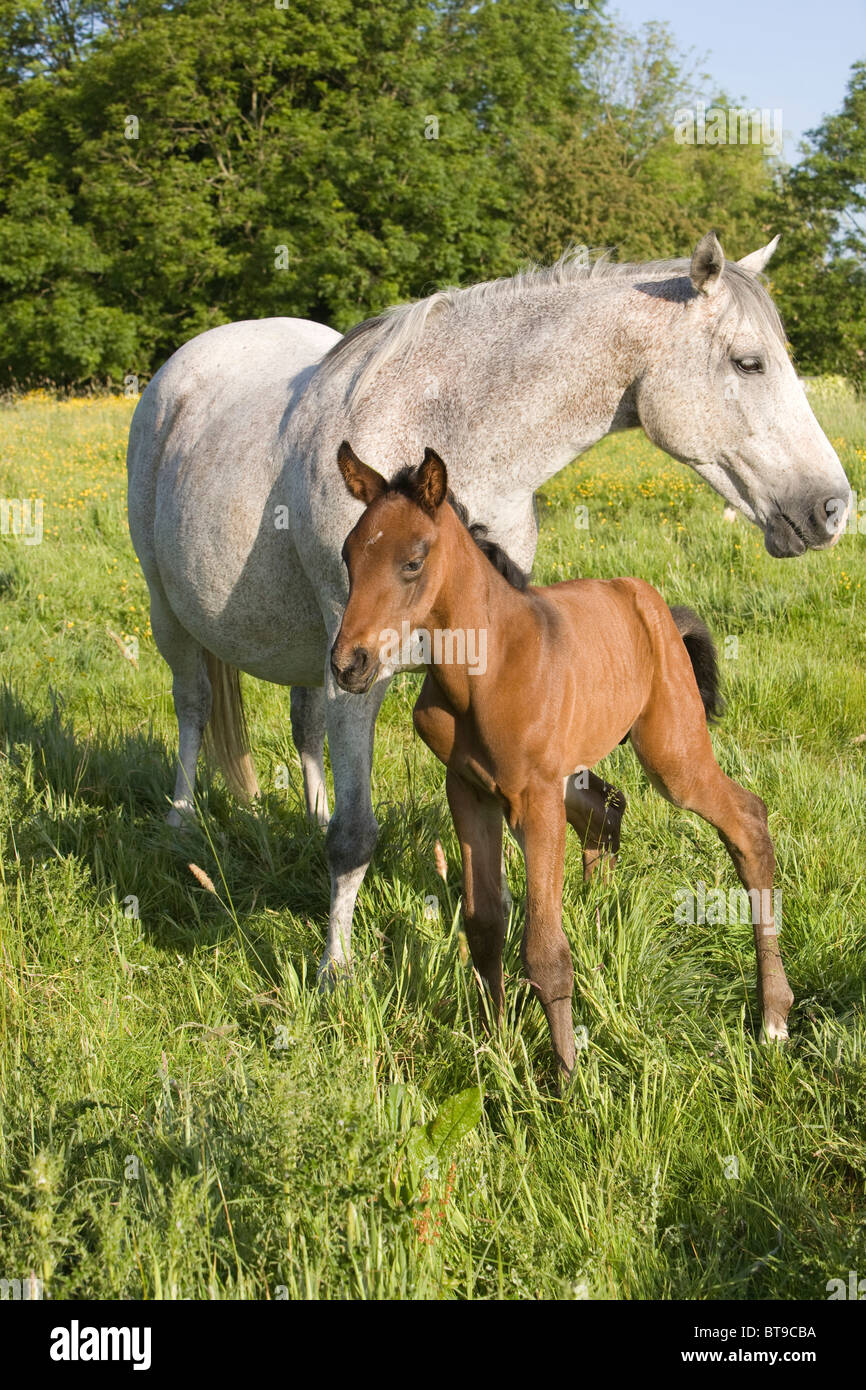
(795, 56)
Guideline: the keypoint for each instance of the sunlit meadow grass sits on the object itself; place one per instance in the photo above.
(185, 1116)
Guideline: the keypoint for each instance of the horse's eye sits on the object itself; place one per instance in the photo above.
(412, 566)
(749, 366)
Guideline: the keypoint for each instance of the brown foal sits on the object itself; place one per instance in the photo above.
(571, 670)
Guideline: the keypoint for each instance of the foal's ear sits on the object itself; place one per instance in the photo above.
(707, 265)
(362, 481)
(430, 484)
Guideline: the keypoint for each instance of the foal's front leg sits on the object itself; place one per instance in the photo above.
(540, 825)
(478, 821)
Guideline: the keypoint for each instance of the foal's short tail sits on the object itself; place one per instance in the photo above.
(226, 735)
(702, 654)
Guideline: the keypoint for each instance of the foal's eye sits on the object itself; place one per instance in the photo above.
(749, 366)
(412, 567)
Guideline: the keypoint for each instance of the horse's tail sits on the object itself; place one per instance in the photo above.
(226, 735)
(702, 654)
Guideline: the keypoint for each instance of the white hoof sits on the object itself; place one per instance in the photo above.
(182, 813)
(773, 1032)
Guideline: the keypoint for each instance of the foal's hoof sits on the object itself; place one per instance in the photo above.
(563, 1080)
(774, 1030)
(600, 864)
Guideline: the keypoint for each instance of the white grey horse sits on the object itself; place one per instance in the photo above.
(238, 512)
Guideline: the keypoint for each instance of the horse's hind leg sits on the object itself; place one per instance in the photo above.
(595, 809)
(308, 732)
(191, 691)
(673, 744)
(478, 821)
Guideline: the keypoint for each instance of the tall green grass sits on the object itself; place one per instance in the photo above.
(185, 1116)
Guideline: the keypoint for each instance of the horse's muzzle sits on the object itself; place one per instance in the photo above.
(790, 531)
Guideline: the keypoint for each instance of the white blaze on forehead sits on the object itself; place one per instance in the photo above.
(371, 540)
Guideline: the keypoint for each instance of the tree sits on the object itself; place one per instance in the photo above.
(820, 208)
(165, 167)
(613, 175)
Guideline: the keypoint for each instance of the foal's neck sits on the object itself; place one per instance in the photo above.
(489, 615)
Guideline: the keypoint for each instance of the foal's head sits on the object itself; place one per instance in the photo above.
(396, 558)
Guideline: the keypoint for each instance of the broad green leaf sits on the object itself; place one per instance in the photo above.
(455, 1119)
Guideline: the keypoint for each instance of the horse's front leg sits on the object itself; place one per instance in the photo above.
(353, 829)
(540, 826)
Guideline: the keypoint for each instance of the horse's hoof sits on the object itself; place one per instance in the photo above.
(181, 816)
(333, 971)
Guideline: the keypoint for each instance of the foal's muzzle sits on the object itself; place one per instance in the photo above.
(356, 673)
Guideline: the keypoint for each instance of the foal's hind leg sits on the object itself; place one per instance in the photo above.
(673, 744)
(191, 690)
(308, 732)
(478, 821)
(595, 811)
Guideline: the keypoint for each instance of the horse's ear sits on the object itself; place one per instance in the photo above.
(430, 484)
(758, 259)
(363, 482)
(707, 265)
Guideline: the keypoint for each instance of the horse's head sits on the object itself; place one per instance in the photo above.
(395, 563)
(718, 392)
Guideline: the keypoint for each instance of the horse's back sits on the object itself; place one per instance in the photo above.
(205, 459)
(245, 366)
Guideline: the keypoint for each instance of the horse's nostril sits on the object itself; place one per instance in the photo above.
(835, 513)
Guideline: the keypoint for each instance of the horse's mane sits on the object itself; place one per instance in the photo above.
(378, 340)
(402, 483)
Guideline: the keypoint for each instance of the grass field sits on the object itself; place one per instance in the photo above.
(184, 1116)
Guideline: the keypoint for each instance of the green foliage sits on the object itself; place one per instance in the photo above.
(166, 168)
(820, 274)
(428, 1146)
(260, 128)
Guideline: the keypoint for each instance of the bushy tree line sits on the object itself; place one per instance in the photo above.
(165, 167)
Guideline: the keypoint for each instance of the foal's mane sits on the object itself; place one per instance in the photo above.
(402, 484)
(378, 340)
